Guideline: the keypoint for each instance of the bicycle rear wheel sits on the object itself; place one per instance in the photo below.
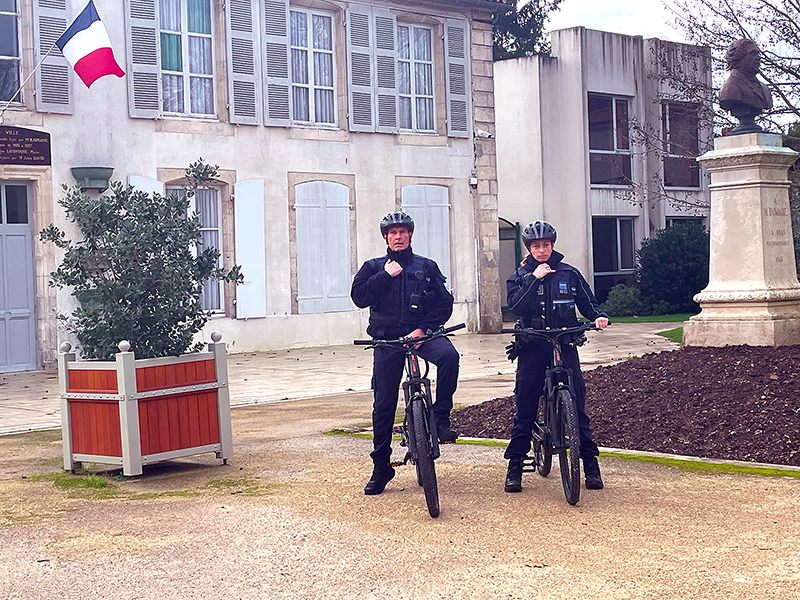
(426, 472)
(568, 443)
(543, 451)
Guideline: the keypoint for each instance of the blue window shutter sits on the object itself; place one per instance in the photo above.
(429, 206)
(250, 246)
(323, 247)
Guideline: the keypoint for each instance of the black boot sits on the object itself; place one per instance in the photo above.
(592, 472)
(381, 475)
(514, 475)
(446, 434)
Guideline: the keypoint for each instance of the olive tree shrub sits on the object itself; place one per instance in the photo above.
(139, 269)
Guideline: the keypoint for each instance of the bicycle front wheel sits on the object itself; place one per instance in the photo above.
(426, 472)
(543, 450)
(568, 443)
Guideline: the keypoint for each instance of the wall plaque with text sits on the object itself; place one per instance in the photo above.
(20, 146)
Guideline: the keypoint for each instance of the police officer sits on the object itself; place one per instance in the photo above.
(544, 292)
(407, 297)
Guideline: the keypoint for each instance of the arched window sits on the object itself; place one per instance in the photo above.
(323, 247)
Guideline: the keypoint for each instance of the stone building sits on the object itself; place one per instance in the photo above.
(600, 139)
(323, 116)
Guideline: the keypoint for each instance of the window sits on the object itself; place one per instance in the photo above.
(614, 253)
(187, 57)
(324, 273)
(609, 142)
(206, 205)
(14, 205)
(679, 122)
(415, 78)
(313, 74)
(9, 51)
(391, 75)
(429, 206)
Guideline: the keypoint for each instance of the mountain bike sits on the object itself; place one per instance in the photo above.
(418, 432)
(555, 430)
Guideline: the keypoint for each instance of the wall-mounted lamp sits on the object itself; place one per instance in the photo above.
(92, 178)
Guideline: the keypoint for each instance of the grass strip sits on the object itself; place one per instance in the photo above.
(702, 466)
(678, 318)
(673, 335)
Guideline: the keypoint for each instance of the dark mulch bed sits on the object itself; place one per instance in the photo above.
(737, 402)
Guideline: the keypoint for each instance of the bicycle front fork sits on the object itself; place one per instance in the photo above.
(417, 397)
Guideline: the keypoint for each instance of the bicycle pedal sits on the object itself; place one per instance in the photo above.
(447, 442)
(397, 463)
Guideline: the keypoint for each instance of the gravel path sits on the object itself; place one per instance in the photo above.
(286, 519)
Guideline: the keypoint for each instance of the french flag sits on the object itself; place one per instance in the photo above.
(87, 47)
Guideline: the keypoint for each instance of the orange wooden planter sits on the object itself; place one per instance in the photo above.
(136, 412)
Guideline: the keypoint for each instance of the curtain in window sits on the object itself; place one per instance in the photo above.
(170, 15)
(171, 58)
(172, 93)
(422, 44)
(201, 90)
(323, 39)
(207, 208)
(323, 98)
(198, 13)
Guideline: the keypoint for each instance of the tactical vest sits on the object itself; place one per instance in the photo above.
(555, 301)
(407, 300)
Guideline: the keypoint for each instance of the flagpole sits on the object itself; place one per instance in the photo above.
(27, 79)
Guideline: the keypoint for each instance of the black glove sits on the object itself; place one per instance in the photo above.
(512, 350)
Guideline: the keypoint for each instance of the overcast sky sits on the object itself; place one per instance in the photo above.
(647, 18)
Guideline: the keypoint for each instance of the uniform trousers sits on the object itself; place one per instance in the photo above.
(387, 371)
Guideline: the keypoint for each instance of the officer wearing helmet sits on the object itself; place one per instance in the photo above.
(407, 297)
(544, 292)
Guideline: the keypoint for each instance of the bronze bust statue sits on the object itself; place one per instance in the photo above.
(742, 94)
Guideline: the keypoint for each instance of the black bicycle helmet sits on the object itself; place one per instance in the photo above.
(396, 219)
(538, 230)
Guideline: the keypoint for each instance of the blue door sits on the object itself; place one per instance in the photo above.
(17, 300)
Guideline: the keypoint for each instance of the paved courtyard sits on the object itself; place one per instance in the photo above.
(287, 519)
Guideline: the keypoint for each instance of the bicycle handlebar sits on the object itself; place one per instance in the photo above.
(552, 334)
(441, 332)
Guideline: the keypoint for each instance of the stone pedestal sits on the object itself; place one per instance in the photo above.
(753, 296)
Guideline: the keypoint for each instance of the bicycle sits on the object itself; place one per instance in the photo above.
(556, 427)
(418, 432)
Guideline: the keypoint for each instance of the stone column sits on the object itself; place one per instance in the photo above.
(487, 232)
(753, 296)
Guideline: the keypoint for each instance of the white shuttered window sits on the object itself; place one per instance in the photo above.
(429, 206)
(323, 247)
(171, 58)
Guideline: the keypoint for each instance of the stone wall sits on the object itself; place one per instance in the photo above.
(485, 195)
